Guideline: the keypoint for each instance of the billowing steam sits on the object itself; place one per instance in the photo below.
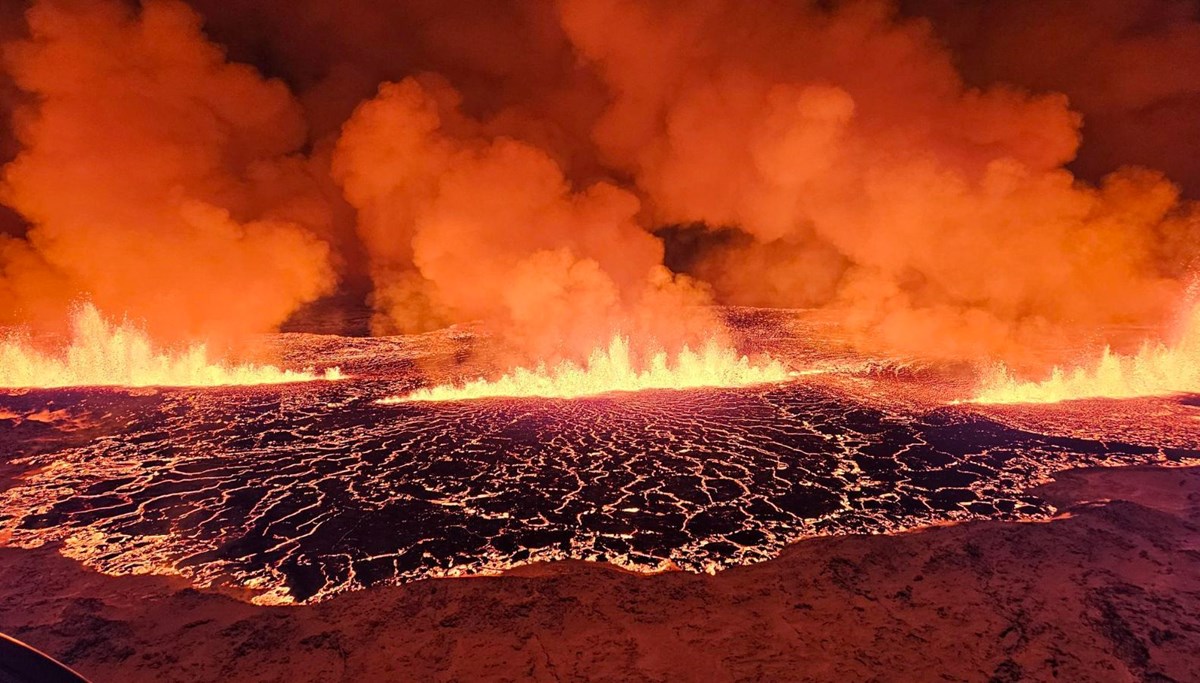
(514, 161)
(462, 227)
(867, 177)
(1131, 67)
(156, 176)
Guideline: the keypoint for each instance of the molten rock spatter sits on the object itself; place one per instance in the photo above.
(1156, 369)
(614, 369)
(105, 354)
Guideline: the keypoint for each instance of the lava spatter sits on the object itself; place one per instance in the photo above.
(615, 369)
(102, 353)
(1157, 369)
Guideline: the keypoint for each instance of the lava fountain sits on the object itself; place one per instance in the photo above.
(101, 353)
(614, 369)
(1156, 369)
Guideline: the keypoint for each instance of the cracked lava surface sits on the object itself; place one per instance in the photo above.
(293, 493)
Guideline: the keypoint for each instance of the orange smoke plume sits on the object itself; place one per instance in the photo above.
(1131, 67)
(156, 177)
(520, 156)
(461, 226)
(866, 176)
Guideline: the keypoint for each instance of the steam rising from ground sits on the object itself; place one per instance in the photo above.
(101, 353)
(511, 162)
(460, 226)
(867, 177)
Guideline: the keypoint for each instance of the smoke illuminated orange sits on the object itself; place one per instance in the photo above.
(1157, 369)
(614, 369)
(104, 354)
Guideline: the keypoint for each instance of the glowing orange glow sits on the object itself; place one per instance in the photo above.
(614, 369)
(1156, 369)
(101, 353)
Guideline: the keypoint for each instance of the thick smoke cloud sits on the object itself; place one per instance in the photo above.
(922, 180)
(158, 179)
(12, 27)
(871, 179)
(509, 60)
(463, 226)
(1131, 67)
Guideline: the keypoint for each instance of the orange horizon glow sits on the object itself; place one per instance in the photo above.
(613, 369)
(102, 353)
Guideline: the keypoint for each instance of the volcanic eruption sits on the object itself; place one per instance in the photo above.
(615, 370)
(305, 298)
(208, 201)
(1155, 369)
(103, 354)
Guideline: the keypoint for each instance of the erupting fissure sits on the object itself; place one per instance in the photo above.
(614, 369)
(101, 353)
(1156, 369)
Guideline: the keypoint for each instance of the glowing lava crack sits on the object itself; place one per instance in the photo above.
(614, 369)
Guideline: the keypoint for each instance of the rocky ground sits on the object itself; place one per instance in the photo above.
(1107, 591)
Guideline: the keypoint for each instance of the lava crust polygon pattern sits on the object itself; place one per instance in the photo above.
(303, 491)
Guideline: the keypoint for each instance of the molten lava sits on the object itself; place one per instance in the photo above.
(614, 369)
(101, 353)
(1156, 369)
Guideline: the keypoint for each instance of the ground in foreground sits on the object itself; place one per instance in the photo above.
(1108, 590)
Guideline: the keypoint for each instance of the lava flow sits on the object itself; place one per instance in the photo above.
(101, 353)
(1155, 370)
(614, 369)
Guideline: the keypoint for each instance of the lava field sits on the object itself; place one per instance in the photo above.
(292, 493)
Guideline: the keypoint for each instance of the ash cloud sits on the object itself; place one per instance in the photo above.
(158, 180)
(1131, 67)
(461, 225)
(946, 178)
(871, 179)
